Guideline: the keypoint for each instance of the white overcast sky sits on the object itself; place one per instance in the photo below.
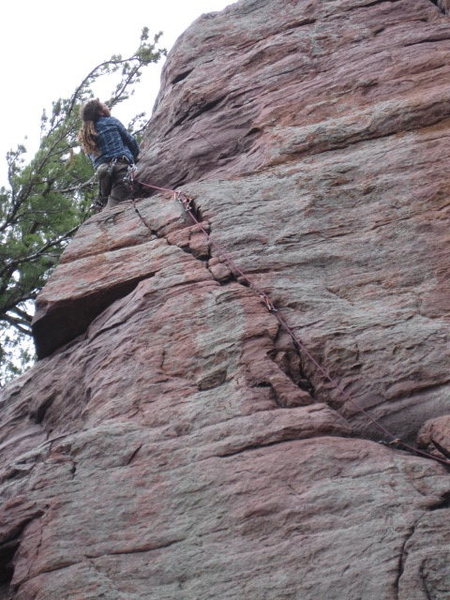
(48, 46)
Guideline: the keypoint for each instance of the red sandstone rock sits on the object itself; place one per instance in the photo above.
(434, 436)
(173, 442)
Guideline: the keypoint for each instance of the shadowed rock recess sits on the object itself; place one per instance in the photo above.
(173, 443)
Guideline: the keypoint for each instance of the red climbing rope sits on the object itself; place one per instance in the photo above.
(224, 256)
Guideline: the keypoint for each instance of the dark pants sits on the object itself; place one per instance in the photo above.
(114, 186)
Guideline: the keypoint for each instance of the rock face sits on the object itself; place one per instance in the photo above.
(174, 442)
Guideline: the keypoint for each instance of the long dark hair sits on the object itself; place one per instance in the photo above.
(90, 113)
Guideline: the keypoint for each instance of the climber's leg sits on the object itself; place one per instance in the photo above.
(104, 185)
(121, 188)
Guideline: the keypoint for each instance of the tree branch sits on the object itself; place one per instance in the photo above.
(14, 263)
(17, 324)
(79, 186)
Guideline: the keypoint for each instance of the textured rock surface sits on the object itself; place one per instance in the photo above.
(172, 443)
(435, 436)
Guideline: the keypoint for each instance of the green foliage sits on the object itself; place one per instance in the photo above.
(48, 197)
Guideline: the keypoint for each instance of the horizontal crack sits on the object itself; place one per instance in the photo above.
(197, 253)
(438, 112)
(295, 438)
(151, 547)
(430, 40)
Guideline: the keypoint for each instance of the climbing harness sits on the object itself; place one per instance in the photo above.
(188, 205)
(127, 178)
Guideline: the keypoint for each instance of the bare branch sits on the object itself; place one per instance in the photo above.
(16, 323)
(78, 186)
(24, 316)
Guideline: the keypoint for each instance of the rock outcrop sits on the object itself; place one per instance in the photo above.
(174, 442)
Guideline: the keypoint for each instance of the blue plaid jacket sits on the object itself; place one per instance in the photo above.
(113, 141)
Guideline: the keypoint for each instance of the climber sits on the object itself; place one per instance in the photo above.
(112, 150)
